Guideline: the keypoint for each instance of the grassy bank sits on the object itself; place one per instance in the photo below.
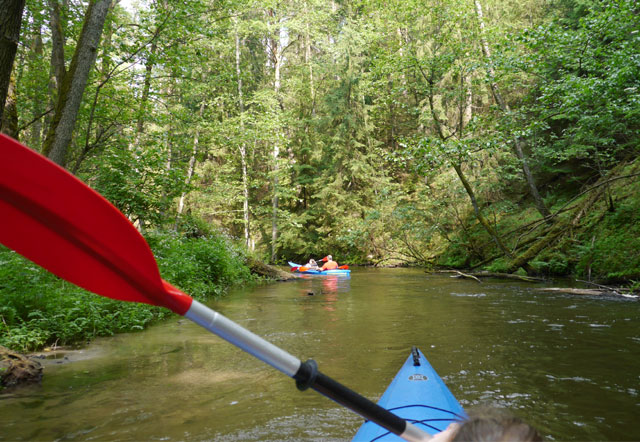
(38, 309)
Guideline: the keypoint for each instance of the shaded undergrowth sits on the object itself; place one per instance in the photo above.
(602, 244)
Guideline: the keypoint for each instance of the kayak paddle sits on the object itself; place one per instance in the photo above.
(55, 220)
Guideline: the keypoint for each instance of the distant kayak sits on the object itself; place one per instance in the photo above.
(301, 269)
(418, 395)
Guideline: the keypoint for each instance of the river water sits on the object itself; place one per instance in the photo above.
(569, 365)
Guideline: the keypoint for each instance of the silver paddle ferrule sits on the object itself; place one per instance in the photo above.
(243, 338)
(415, 434)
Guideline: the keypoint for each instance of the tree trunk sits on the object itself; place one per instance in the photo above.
(277, 61)
(440, 128)
(171, 152)
(35, 132)
(10, 23)
(466, 101)
(307, 60)
(243, 147)
(481, 219)
(245, 194)
(146, 88)
(10, 115)
(274, 203)
(518, 142)
(191, 168)
(57, 69)
(262, 269)
(57, 47)
(69, 99)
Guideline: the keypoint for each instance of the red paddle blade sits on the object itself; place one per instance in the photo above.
(58, 222)
(345, 267)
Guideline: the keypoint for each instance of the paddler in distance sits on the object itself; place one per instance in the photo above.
(312, 264)
(329, 263)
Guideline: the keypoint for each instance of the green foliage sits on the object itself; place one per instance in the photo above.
(138, 184)
(202, 267)
(499, 265)
(552, 264)
(456, 257)
(611, 251)
(586, 103)
(38, 308)
(193, 227)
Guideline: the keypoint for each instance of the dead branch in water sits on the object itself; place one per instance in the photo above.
(477, 275)
(590, 292)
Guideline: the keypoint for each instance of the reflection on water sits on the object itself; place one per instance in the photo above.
(328, 287)
(568, 365)
(326, 283)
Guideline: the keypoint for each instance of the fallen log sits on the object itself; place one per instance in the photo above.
(476, 275)
(614, 290)
(573, 291)
(509, 276)
(563, 225)
(268, 271)
(588, 292)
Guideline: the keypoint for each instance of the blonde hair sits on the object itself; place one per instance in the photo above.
(492, 425)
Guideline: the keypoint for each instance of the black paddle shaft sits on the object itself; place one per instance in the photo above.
(308, 376)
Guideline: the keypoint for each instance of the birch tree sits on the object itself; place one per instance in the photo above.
(275, 52)
(242, 147)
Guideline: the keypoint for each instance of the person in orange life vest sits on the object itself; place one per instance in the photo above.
(329, 264)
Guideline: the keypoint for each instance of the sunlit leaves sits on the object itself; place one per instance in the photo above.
(589, 78)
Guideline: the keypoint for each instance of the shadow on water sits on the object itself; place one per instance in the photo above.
(567, 364)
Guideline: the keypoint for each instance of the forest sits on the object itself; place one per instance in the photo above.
(462, 134)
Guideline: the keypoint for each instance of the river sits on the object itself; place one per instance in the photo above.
(569, 365)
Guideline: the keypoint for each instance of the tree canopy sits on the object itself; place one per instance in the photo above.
(452, 132)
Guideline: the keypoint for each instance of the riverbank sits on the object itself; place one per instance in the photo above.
(37, 309)
(592, 235)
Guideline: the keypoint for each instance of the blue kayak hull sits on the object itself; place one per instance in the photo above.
(320, 272)
(418, 395)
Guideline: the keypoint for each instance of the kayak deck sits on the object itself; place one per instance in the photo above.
(418, 395)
